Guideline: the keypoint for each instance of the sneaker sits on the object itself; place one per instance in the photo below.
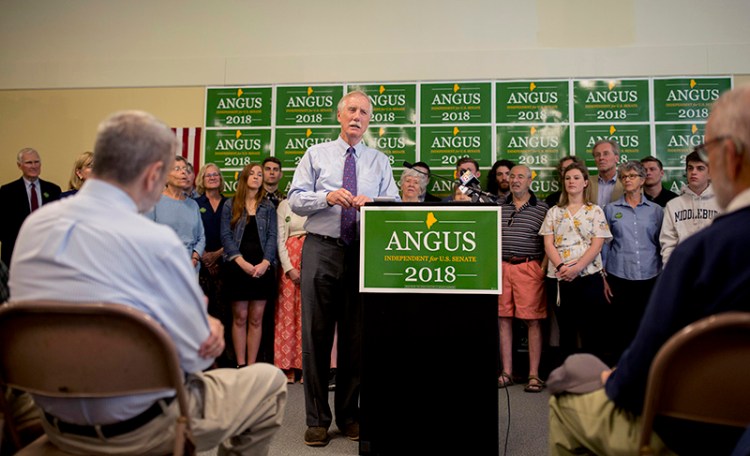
(317, 436)
(351, 431)
(332, 380)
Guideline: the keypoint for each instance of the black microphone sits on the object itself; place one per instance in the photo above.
(471, 184)
(406, 164)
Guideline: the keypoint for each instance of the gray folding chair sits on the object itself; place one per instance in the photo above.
(682, 381)
(83, 350)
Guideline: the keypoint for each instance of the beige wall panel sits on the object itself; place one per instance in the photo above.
(62, 123)
(586, 23)
(149, 43)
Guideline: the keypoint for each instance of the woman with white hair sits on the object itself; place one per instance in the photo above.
(413, 186)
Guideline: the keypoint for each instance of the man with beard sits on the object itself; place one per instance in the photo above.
(498, 181)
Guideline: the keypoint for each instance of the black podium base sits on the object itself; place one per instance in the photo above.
(429, 381)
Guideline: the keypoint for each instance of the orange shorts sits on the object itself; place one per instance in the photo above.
(523, 291)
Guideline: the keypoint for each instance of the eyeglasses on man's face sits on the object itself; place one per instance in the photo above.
(180, 168)
(702, 149)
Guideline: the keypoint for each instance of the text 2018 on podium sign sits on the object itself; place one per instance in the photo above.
(430, 249)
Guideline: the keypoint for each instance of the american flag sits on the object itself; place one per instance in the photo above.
(191, 144)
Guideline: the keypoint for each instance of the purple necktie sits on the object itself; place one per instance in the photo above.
(349, 216)
(32, 198)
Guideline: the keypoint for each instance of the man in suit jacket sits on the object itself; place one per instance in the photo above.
(16, 198)
(606, 187)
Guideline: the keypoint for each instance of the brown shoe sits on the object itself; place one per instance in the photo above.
(351, 431)
(316, 436)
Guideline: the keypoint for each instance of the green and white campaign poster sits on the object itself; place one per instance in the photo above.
(634, 140)
(675, 141)
(444, 146)
(307, 105)
(392, 104)
(456, 103)
(291, 143)
(238, 107)
(686, 99)
(237, 148)
(532, 101)
(534, 145)
(438, 249)
(532, 122)
(617, 100)
(398, 143)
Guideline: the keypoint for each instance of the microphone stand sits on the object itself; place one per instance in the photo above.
(473, 191)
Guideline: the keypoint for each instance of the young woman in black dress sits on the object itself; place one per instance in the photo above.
(248, 235)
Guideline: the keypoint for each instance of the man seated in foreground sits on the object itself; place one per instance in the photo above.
(708, 274)
(97, 247)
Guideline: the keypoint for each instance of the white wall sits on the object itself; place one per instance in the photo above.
(93, 57)
(157, 43)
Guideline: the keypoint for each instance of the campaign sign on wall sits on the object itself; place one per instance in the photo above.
(634, 140)
(544, 182)
(608, 101)
(456, 103)
(438, 249)
(675, 141)
(398, 143)
(291, 143)
(532, 101)
(444, 146)
(686, 99)
(238, 107)
(392, 104)
(533, 145)
(307, 105)
(237, 148)
(534, 122)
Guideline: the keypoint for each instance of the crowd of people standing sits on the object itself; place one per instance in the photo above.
(601, 243)
(589, 255)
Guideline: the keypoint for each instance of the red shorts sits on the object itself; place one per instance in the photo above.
(523, 291)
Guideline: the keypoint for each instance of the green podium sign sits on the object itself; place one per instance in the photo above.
(430, 249)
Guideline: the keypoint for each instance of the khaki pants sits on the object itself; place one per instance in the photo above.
(592, 424)
(238, 410)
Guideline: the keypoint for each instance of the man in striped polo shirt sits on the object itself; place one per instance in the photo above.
(523, 278)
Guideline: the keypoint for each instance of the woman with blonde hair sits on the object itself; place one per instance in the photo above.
(81, 171)
(209, 185)
(248, 235)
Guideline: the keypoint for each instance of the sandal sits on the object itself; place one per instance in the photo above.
(504, 380)
(536, 387)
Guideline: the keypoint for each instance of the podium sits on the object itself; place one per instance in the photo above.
(430, 333)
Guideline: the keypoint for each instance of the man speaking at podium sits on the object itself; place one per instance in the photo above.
(332, 181)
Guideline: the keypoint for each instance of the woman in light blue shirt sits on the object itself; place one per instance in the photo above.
(633, 259)
(181, 213)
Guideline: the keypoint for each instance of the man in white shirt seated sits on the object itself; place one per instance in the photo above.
(98, 247)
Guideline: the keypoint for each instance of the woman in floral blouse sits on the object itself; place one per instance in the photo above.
(574, 232)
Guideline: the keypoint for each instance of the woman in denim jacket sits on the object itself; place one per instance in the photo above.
(248, 235)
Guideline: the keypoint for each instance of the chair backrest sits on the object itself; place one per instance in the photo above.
(88, 350)
(701, 374)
